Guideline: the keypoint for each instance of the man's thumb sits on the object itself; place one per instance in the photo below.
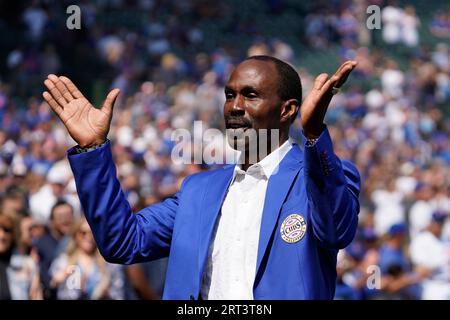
(110, 100)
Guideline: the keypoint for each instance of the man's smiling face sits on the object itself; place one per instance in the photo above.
(252, 100)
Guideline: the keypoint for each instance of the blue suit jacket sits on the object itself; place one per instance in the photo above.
(313, 183)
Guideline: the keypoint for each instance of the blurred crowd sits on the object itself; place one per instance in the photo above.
(397, 132)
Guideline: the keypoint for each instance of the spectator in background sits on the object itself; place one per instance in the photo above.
(351, 274)
(54, 242)
(14, 203)
(19, 274)
(391, 253)
(27, 234)
(421, 211)
(392, 80)
(432, 256)
(392, 17)
(389, 208)
(441, 58)
(410, 24)
(35, 19)
(397, 278)
(42, 201)
(80, 272)
(440, 24)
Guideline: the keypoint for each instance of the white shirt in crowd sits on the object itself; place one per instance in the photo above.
(422, 211)
(392, 20)
(389, 210)
(420, 216)
(231, 267)
(431, 252)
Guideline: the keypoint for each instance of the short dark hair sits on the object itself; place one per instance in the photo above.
(290, 86)
(59, 202)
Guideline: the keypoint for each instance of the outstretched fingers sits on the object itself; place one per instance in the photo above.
(71, 87)
(339, 77)
(52, 103)
(343, 72)
(62, 88)
(320, 81)
(54, 91)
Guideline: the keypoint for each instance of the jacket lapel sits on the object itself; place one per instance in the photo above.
(277, 189)
(216, 190)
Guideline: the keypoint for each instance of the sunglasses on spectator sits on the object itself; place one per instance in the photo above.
(6, 229)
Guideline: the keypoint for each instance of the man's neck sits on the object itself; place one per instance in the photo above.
(260, 156)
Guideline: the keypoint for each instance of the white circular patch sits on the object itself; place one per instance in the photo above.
(293, 228)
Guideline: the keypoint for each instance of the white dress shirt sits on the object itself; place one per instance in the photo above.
(231, 265)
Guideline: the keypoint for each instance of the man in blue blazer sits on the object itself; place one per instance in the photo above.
(264, 230)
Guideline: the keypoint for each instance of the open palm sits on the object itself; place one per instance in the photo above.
(87, 125)
(315, 105)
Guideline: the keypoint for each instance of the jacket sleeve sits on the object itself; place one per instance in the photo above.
(121, 235)
(333, 188)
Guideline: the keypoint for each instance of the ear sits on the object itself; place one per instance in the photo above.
(289, 111)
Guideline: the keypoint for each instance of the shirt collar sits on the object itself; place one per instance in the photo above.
(268, 164)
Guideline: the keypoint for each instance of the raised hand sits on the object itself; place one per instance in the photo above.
(315, 105)
(87, 125)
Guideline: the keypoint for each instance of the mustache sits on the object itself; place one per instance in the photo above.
(236, 122)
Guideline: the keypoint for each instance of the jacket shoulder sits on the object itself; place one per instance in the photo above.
(350, 169)
(352, 175)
